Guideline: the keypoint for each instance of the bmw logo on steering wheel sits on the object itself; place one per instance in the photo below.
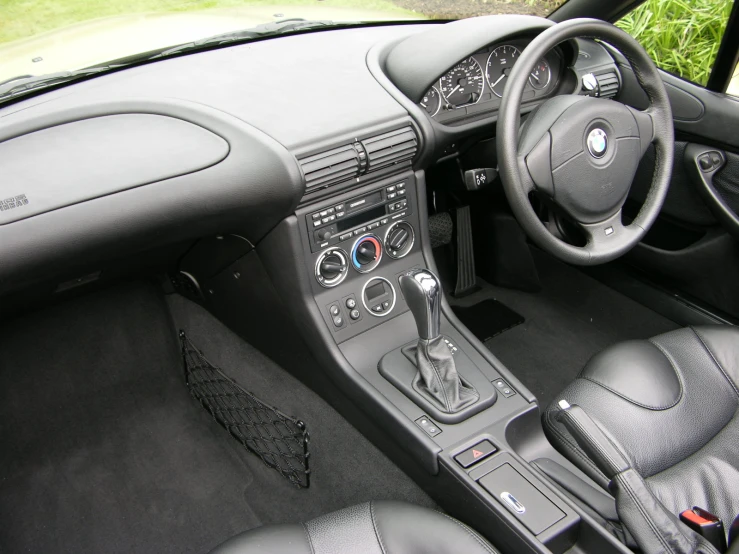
(597, 143)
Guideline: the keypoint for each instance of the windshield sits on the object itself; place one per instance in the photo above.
(39, 37)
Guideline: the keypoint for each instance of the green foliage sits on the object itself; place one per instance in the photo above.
(681, 36)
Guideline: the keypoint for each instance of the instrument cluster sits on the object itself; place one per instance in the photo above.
(476, 84)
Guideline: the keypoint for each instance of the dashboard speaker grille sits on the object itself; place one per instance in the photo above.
(608, 84)
(390, 148)
(332, 166)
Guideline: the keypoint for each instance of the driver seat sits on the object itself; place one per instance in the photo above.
(671, 403)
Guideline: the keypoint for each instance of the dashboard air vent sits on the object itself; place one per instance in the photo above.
(390, 148)
(607, 84)
(330, 167)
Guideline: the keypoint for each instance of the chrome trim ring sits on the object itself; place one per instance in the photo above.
(392, 304)
(329, 283)
(408, 248)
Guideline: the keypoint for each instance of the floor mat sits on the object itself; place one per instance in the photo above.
(488, 318)
(570, 320)
(104, 450)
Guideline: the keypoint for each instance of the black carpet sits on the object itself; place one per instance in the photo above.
(103, 449)
(570, 320)
(488, 318)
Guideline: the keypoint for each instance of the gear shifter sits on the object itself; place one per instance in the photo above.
(437, 377)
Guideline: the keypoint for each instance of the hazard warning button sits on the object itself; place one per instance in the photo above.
(473, 455)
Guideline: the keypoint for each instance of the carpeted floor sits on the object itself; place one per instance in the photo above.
(570, 320)
(103, 450)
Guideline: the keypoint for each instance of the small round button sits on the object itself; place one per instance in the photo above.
(338, 321)
(334, 311)
(354, 314)
(351, 303)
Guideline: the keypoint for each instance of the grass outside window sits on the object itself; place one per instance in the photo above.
(681, 36)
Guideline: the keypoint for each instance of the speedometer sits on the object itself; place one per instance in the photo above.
(500, 63)
(462, 84)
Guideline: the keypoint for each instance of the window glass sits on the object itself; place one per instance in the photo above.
(681, 36)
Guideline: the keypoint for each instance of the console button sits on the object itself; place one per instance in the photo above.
(354, 314)
(428, 426)
(390, 188)
(384, 221)
(316, 216)
(338, 321)
(331, 217)
(391, 195)
(351, 303)
(374, 225)
(504, 388)
(325, 220)
(473, 455)
(330, 210)
(377, 309)
(386, 305)
(339, 214)
(401, 192)
(324, 213)
(317, 223)
(334, 310)
(345, 236)
(401, 185)
(391, 207)
(339, 207)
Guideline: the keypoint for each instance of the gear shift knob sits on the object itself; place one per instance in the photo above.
(422, 292)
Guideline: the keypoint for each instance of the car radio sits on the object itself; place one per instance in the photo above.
(341, 221)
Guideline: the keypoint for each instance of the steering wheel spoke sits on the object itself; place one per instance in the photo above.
(645, 127)
(608, 234)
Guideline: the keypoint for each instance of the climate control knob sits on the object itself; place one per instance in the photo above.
(366, 253)
(331, 267)
(399, 239)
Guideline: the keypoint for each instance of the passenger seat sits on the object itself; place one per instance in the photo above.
(370, 528)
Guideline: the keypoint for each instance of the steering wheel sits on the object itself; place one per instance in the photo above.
(582, 152)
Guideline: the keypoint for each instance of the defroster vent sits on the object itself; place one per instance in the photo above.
(331, 167)
(390, 148)
(607, 84)
(351, 161)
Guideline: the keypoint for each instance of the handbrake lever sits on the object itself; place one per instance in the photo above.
(654, 529)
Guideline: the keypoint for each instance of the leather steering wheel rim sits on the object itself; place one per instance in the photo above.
(523, 155)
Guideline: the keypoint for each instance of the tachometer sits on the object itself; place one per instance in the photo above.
(462, 85)
(500, 63)
(431, 101)
(541, 74)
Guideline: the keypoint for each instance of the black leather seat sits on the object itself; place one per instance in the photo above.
(671, 404)
(370, 528)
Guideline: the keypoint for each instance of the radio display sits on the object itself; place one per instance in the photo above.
(353, 221)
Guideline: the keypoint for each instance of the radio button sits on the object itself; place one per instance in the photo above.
(316, 223)
(325, 220)
(384, 221)
(401, 185)
(339, 214)
(390, 189)
(345, 236)
(330, 210)
(374, 225)
(331, 217)
(391, 207)
(391, 196)
(316, 216)
(401, 192)
(339, 207)
(324, 213)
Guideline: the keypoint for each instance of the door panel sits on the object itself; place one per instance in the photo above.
(693, 248)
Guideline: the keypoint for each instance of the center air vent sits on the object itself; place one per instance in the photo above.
(607, 84)
(330, 167)
(351, 161)
(390, 148)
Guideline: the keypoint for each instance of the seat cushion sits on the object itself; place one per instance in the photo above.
(671, 404)
(370, 528)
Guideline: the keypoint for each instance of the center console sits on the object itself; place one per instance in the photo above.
(339, 265)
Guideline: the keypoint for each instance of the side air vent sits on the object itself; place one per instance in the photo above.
(390, 148)
(333, 166)
(607, 85)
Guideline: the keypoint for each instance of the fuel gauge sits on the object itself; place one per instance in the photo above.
(431, 101)
(541, 75)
